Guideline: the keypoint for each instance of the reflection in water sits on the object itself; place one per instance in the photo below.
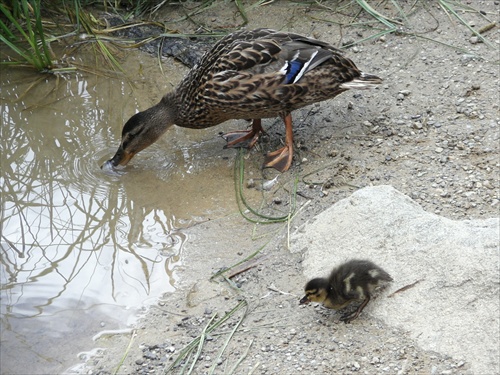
(78, 247)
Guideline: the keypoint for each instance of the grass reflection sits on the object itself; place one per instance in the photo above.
(69, 233)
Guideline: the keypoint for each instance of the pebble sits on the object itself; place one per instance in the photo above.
(150, 355)
(487, 184)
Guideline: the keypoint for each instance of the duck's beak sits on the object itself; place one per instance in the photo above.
(121, 157)
(304, 301)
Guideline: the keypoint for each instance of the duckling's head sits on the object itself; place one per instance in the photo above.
(140, 131)
(316, 290)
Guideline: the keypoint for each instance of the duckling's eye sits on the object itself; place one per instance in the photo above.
(311, 293)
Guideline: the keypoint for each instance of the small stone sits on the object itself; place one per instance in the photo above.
(439, 150)
(474, 40)
(150, 355)
(444, 194)
(487, 184)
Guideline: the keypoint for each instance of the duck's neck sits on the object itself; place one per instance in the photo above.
(166, 111)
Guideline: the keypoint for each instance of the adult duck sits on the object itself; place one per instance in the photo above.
(247, 75)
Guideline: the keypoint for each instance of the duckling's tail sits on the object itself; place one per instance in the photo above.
(363, 82)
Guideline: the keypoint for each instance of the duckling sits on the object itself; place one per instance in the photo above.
(350, 282)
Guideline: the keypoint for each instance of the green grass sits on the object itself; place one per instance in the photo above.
(24, 37)
(190, 354)
(24, 27)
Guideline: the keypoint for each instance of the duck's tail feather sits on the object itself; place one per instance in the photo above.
(364, 81)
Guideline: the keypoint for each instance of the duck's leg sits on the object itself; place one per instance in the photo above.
(350, 317)
(282, 159)
(244, 138)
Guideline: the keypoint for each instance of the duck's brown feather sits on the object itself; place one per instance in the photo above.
(241, 77)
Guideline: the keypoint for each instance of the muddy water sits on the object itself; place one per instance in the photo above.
(81, 250)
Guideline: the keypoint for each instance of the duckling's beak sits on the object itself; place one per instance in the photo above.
(304, 301)
(121, 157)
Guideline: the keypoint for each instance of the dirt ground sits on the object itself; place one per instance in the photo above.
(431, 130)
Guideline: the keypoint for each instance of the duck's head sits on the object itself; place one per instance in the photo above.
(316, 290)
(140, 131)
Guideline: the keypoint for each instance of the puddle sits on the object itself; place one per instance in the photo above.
(80, 250)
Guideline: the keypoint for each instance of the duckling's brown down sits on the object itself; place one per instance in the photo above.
(353, 281)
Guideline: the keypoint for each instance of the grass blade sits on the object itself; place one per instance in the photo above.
(242, 357)
(186, 354)
(241, 9)
(449, 8)
(382, 19)
(226, 343)
(239, 174)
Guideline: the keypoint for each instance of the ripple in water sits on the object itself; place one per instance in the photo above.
(79, 246)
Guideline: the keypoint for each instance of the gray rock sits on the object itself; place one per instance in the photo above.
(454, 308)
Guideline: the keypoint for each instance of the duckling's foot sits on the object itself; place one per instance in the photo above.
(349, 317)
(244, 138)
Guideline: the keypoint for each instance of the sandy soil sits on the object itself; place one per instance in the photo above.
(431, 131)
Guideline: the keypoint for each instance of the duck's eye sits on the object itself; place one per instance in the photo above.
(134, 131)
